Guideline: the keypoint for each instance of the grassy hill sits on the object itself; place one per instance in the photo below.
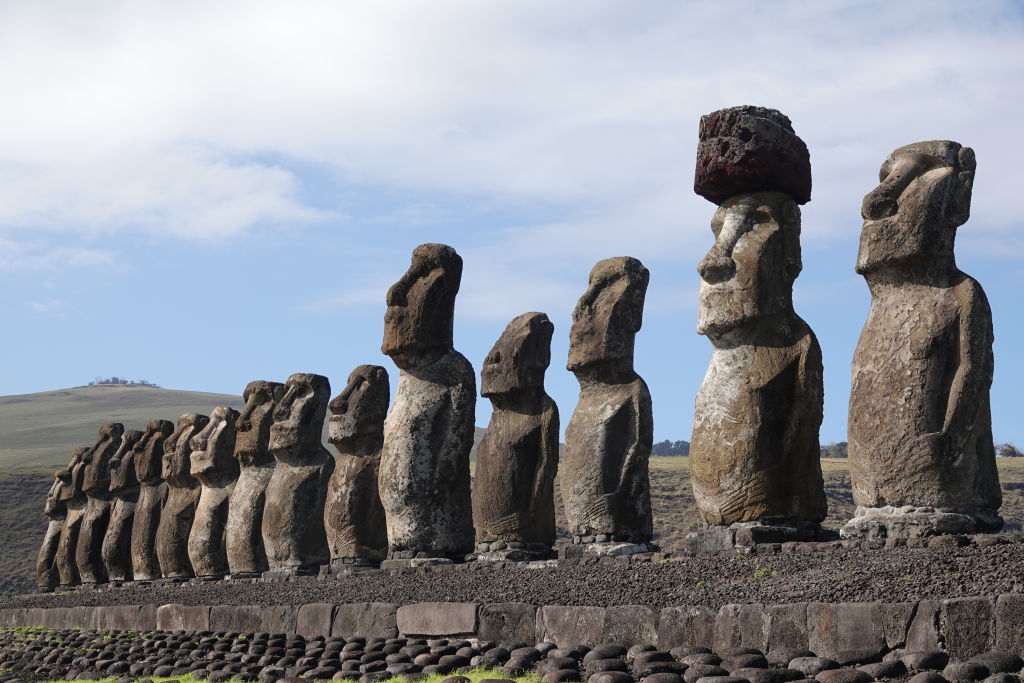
(39, 431)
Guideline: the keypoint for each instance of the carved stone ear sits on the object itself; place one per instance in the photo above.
(960, 203)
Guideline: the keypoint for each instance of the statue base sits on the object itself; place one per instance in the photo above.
(606, 549)
(905, 522)
(45, 589)
(172, 580)
(412, 563)
(235, 576)
(287, 573)
(714, 538)
(210, 578)
(511, 551)
(348, 565)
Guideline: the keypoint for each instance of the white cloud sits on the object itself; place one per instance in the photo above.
(163, 117)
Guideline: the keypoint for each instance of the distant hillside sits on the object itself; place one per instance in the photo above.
(39, 431)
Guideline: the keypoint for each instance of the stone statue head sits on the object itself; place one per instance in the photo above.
(358, 412)
(519, 358)
(421, 305)
(213, 448)
(54, 507)
(252, 428)
(149, 451)
(749, 272)
(178, 450)
(122, 463)
(96, 481)
(299, 418)
(71, 476)
(609, 314)
(923, 196)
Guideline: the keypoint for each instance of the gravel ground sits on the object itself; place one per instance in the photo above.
(829, 573)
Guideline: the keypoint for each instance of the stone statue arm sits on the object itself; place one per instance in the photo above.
(973, 376)
(638, 454)
(547, 460)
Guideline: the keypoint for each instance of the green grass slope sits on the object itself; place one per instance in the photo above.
(39, 431)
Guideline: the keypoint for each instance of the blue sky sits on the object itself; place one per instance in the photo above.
(201, 194)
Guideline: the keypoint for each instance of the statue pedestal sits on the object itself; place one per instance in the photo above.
(414, 562)
(606, 549)
(287, 573)
(748, 534)
(511, 551)
(918, 522)
(348, 565)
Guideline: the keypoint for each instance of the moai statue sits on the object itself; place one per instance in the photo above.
(353, 515)
(424, 469)
(604, 482)
(293, 519)
(754, 455)
(73, 499)
(148, 456)
(182, 497)
(247, 557)
(124, 489)
(47, 576)
(516, 461)
(213, 464)
(920, 431)
(96, 486)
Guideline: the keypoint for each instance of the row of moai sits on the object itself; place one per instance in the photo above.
(242, 495)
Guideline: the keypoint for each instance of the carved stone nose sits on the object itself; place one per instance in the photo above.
(878, 203)
(714, 269)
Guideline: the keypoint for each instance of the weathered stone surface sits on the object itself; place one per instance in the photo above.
(244, 535)
(148, 457)
(365, 619)
(569, 626)
(47, 576)
(96, 518)
(213, 464)
(424, 471)
(750, 149)
(437, 619)
(754, 453)
(279, 619)
(237, 618)
(125, 617)
(686, 627)
(293, 519)
(73, 499)
(967, 626)
(314, 619)
(517, 458)
(179, 510)
(604, 473)
(923, 635)
(630, 625)
(920, 428)
(124, 489)
(508, 623)
(849, 632)
(353, 514)
(740, 626)
(896, 620)
(785, 627)
(183, 618)
(1009, 623)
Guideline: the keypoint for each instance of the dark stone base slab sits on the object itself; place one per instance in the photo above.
(918, 522)
(347, 565)
(287, 573)
(749, 534)
(512, 555)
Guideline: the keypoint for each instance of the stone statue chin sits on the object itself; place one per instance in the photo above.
(921, 456)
